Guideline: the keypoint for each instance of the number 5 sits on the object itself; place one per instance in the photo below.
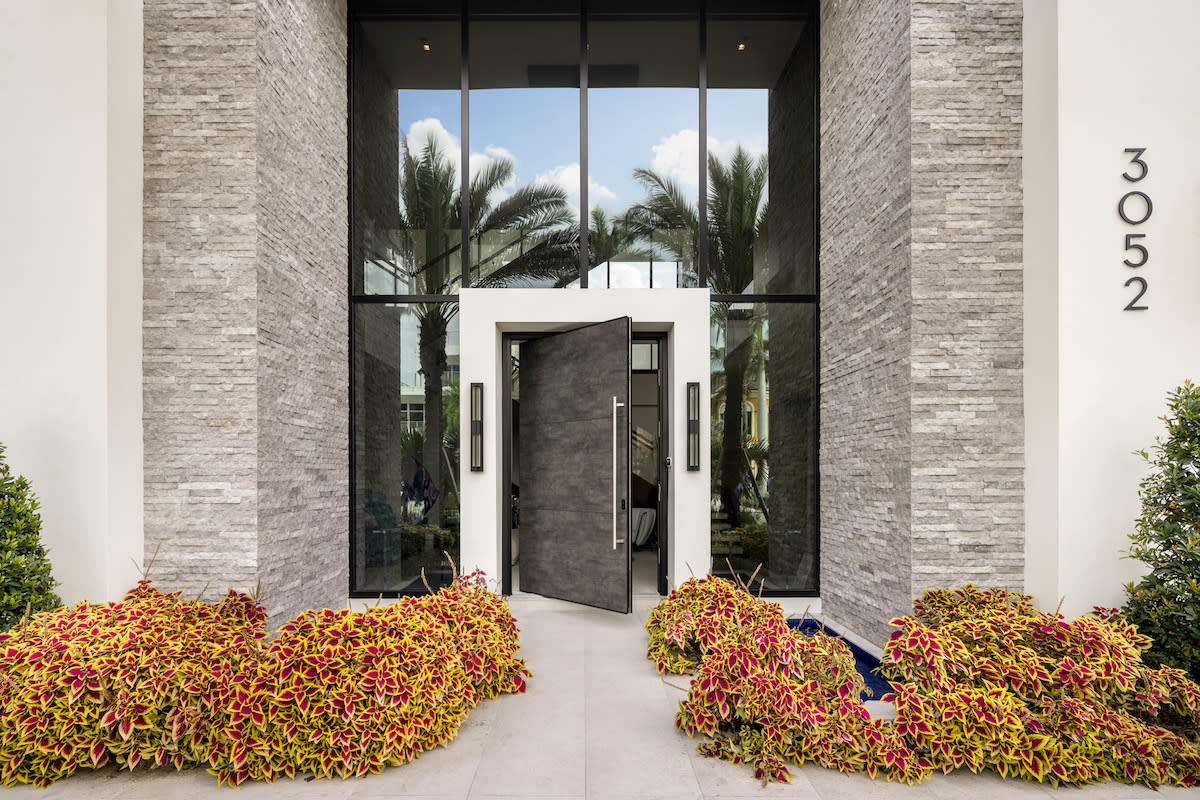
(1137, 159)
(1131, 246)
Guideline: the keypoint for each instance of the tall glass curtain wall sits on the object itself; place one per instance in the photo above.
(690, 142)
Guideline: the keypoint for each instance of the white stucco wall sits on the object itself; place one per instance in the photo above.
(1098, 376)
(70, 280)
(487, 313)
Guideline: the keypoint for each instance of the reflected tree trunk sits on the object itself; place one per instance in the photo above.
(763, 434)
(735, 363)
(432, 349)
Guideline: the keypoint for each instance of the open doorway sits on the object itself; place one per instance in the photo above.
(647, 464)
(643, 420)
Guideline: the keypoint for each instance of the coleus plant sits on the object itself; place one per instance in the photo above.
(156, 680)
(984, 681)
(344, 693)
(137, 681)
(696, 617)
(991, 682)
(765, 694)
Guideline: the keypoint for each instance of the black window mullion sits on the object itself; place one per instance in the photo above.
(464, 177)
(583, 145)
(702, 149)
(389, 299)
(763, 298)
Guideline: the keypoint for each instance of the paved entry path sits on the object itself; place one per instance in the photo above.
(596, 723)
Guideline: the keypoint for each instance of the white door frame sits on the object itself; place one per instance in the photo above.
(486, 314)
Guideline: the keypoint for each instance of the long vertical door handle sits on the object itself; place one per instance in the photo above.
(616, 405)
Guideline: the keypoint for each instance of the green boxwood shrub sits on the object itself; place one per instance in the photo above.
(25, 580)
(1165, 604)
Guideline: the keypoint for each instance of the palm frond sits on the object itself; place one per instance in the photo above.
(529, 208)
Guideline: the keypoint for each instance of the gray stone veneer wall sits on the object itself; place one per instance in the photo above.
(967, 356)
(244, 318)
(921, 426)
(303, 333)
(200, 287)
(866, 459)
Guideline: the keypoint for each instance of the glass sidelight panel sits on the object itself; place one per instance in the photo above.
(762, 81)
(406, 446)
(406, 127)
(764, 443)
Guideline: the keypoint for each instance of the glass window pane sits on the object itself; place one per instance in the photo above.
(406, 128)
(524, 152)
(761, 156)
(643, 122)
(406, 446)
(764, 443)
(644, 355)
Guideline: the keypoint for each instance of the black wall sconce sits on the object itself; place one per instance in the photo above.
(476, 427)
(693, 427)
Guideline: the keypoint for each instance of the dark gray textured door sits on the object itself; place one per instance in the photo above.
(574, 434)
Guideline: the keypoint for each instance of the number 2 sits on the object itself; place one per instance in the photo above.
(1130, 306)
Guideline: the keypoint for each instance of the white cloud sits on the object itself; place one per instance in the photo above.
(496, 151)
(420, 132)
(678, 156)
(567, 176)
(628, 276)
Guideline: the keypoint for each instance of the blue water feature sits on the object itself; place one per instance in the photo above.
(864, 662)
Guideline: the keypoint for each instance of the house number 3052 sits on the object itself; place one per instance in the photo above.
(1135, 208)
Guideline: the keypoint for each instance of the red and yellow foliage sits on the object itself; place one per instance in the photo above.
(765, 694)
(138, 681)
(984, 681)
(991, 682)
(160, 681)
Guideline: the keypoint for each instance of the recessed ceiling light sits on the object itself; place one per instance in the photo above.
(741, 46)
(425, 45)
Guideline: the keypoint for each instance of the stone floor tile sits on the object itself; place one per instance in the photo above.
(831, 784)
(964, 783)
(535, 748)
(720, 780)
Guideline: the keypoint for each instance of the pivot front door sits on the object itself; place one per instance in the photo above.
(574, 434)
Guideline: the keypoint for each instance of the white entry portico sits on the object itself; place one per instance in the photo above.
(683, 314)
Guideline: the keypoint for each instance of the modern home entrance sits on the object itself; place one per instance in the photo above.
(585, 457)
(583, 491)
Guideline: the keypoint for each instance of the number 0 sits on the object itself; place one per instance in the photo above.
(1145, 198)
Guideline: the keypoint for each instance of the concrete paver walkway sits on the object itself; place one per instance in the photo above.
(596, 723)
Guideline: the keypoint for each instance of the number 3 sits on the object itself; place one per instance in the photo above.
(1137, 159)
